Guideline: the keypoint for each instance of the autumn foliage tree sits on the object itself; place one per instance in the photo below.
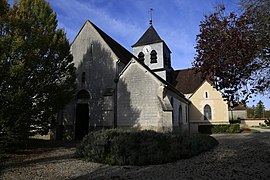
(37, 76)
(259, 12)
(229, 51)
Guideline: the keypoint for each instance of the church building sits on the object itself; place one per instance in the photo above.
(120, 89)
(116, 88)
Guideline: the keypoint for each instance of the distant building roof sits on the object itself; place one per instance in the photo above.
(150, 36)
(187, 81)
(239, 107)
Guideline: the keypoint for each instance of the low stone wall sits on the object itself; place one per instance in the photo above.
(253, 121)
(43, 137)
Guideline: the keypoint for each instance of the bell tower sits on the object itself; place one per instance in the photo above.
(151, 50)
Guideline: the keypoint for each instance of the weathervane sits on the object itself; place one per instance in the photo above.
(150, 11)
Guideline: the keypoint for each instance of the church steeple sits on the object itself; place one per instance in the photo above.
(153, 51)
(149, 37)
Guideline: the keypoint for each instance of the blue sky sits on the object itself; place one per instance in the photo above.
(176, 21)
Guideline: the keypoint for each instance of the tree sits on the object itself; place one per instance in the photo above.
(228, 51)
(251, 111)
(259, 12)
(36, 69)
(259, 111)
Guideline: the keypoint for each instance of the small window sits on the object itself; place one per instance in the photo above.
(207, 112)
(186, 114)
(180, 115)
(206, 95)
(141, 56)
(83, 77)
(153, 57)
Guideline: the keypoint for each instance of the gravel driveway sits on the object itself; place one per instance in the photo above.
(238, 156)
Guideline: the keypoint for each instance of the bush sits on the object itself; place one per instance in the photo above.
(6, 141)
(133, 147)
(238, 121)
(221, 128)
(267, 122)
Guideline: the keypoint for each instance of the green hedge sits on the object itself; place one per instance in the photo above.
(132, 147)
(221, 128)
(235, 121)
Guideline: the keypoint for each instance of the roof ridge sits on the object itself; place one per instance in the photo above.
(185, 69)
(121, 52)
(116, 47)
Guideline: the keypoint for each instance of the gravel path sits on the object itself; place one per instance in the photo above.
(238, 156)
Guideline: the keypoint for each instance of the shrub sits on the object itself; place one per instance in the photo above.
(221, 128)
(267, 122)
(238, 121)
(133, 147)
(262, 125)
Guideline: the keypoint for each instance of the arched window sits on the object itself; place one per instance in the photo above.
(153, 56)
(207, 112)
(180, 115)
(141, 56)
(83, 77)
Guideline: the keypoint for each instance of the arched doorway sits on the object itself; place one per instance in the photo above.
(82, 115)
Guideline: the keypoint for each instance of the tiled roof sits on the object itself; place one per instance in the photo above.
(187, 81)
(150, 36)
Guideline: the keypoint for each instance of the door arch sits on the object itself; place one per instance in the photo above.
(82, 114)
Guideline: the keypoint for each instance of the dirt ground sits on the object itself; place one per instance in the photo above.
(238, 156)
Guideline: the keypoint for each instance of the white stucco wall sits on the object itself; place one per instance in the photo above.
(214, 99)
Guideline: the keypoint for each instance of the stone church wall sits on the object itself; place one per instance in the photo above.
(93, 57)
(180, 115)
(138, 104)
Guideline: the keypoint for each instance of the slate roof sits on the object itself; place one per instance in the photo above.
(150, 36)
(187, 81)
(122, 53)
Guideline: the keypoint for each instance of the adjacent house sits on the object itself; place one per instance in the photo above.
(238, 112)
(207, 105)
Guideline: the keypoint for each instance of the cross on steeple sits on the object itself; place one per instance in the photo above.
(150, 11)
